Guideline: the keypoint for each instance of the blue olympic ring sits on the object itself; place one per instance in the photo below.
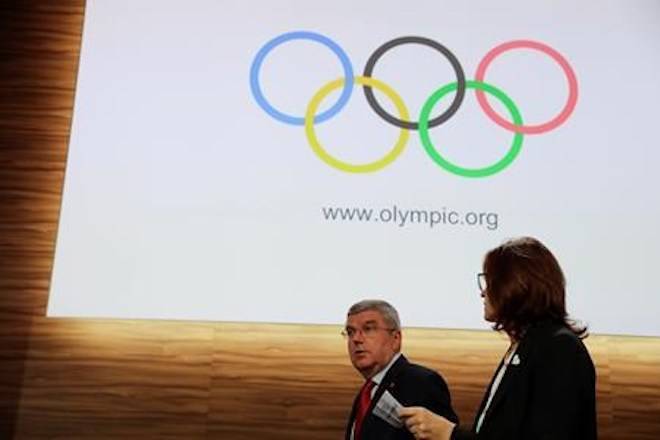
(301, 35)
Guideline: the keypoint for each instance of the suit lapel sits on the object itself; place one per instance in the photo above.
(486, 394)
(351, 418)
(513, 371)
(388, 383)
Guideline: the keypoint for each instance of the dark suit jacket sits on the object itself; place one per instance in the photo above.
(410, 384)
(550, 394)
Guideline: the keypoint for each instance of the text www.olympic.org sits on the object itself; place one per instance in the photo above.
(404, 217)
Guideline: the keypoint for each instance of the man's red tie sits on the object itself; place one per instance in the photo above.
(363, 405)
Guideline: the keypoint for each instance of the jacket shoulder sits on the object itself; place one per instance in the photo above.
(421, 372)
(552, 340)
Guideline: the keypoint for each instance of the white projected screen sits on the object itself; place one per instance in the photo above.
(277, 161)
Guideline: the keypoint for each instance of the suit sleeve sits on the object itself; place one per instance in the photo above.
(438, 399)
(439, 402)
(460, 434)
(561, 382)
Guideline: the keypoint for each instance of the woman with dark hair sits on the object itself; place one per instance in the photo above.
(545, 386)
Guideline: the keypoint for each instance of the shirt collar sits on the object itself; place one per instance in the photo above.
(378, 377)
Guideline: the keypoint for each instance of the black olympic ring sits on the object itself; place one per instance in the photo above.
(460, 80)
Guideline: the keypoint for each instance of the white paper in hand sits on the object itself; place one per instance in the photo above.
(387, 409)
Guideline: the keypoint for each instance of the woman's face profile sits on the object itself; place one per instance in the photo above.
(489, 310)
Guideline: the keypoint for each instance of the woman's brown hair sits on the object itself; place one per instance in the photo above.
(526, 285)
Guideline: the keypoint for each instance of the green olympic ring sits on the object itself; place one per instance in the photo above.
(453, 168)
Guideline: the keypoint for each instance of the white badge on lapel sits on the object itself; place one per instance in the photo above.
(515, 360)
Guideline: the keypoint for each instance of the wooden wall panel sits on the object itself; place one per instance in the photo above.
(100, 379)
(116, 379)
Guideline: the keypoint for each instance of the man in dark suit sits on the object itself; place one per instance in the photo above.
(373, 334)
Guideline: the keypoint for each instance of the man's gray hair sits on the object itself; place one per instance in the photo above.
(389, 313)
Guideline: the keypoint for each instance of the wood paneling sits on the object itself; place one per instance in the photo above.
(149, 379)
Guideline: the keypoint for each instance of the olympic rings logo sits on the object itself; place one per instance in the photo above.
(403, 121)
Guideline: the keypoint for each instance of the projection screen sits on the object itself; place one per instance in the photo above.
(277, 161)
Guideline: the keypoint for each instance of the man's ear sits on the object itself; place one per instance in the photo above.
(398, 339)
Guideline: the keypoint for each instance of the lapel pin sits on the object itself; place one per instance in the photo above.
(515, 360)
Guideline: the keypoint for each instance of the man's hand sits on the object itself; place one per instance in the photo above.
(425, 425)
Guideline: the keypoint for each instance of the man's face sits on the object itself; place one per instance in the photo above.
(371, 345)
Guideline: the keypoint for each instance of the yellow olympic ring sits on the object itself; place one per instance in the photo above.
(345, 166)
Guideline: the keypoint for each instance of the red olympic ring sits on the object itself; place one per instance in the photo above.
(528, 129)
